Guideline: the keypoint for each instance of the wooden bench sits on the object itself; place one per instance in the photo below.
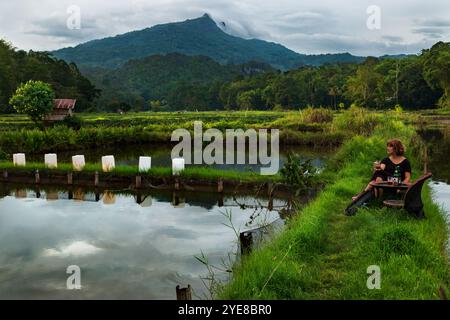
(412, 200)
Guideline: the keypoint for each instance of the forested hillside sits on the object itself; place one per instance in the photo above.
(17, 67)
(177, 82)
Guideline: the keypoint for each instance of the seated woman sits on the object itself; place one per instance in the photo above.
(388, 166)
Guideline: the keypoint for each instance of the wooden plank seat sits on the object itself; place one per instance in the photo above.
(398, 204)
(412, 200)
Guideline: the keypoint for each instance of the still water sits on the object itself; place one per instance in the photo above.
(161, 156)
(438, 141)
(126, 249)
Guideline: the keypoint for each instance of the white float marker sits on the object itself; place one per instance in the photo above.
(177, 166)
(145, 164)
(19, 159)
(108, 163)
(78, 162)
(51, 160)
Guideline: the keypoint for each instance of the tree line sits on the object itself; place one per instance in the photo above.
(413, 82)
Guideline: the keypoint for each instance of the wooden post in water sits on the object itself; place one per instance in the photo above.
(220, 202)
(175, 199)
(70, 193)
(38, 192)
(70, 178)
(138, 182)
(37, 177)
(184, 293)
(245, 239)
(96, 179)
(220, 185)
(138, 198)
(177, 184)
(97, 195)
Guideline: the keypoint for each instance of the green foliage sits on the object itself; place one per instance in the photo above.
(145, 127)
(316, 115)
(72, 122)
(18, 67)
(436, 66)
(35, 99)
(3, 155)
(356, 120)
(298, 173)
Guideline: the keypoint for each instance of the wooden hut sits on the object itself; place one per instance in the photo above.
(61, 109)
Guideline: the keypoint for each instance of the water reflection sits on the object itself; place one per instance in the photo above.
(135, 246)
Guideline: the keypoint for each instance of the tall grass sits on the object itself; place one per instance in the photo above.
(324, 254)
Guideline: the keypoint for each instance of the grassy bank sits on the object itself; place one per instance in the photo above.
(324, 254)
(202, 173)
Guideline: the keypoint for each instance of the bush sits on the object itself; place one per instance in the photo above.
(298, 173)
(3, 155)
(316, 115)
(356, 120)
(72, 122)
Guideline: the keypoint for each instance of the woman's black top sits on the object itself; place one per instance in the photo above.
(389, 170)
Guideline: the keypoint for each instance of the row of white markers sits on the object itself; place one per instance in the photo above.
(108, 162)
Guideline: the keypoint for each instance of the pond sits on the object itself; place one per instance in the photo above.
(126, 249)
(161, 156)
(438, 140)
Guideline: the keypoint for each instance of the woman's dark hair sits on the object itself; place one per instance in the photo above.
(399, 149)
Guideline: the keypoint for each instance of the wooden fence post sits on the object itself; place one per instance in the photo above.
(37, 177)
(96, 179)
(245, 239)
(69, 178)
(138, 182)
(184, 293)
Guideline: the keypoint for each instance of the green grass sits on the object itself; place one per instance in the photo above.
(204, 173)
(310, 127)
(324, 254)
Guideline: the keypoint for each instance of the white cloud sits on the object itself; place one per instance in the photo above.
(76, 249)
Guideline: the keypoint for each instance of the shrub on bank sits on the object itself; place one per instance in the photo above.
(316, 115)
(356, 120)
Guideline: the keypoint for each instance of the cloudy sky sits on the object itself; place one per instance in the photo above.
(306, 26)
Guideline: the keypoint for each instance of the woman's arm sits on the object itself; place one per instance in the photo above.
(407, 178)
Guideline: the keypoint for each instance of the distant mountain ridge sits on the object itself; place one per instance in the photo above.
(194, 37)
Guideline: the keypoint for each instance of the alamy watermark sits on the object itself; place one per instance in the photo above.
(73, 22)
(374, 279)
(74, 280)
(234, 144)
(373, 21)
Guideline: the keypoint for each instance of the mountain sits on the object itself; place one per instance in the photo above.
(193, 37)
(159, 77)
